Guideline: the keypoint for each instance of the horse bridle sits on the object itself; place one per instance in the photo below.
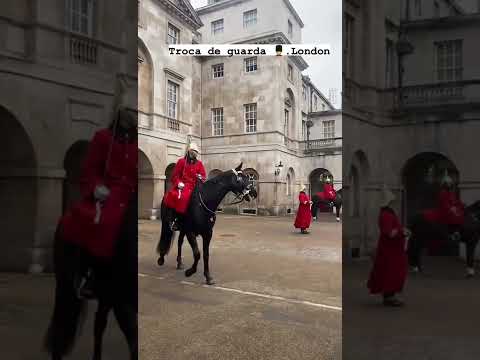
(240, 196)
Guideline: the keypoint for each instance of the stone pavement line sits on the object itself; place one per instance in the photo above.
(266, 296)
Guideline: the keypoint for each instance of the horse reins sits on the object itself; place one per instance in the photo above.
(242, 195)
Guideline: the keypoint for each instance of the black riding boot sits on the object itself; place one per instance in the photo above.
(86, 288)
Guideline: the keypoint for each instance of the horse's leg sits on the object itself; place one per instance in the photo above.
(179, 254)
(101, 318)
(206, 246)
(127, 321)
(337, 210)
(192, 240)
(470, 245)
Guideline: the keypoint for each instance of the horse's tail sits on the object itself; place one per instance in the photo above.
(67, 320)
(69, 311)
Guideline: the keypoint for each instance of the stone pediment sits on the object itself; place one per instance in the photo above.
(184, 10)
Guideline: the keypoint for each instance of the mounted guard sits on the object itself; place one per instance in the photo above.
(187, 172)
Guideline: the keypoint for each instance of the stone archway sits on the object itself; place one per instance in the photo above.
(18, 194)
(72, 164)
(358, 179)
(168, 176)
(146, 186)
(421, 178)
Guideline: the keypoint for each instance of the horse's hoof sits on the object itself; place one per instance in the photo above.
(338, 219)
(210, 281)
(470, 273)
(180, 266)
(189, 272)
(160, 261)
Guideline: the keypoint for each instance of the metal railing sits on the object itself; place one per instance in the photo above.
(322, 144)
(83, 50)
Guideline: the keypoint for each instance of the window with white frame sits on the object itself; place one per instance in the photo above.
(304, 128)
(172, 99)
(329, 129)
(304, 93)
(173, 35)
(449, 60)
(81, 16)
(249, 18)
(285, 125)
(290, 28)
(436, 9)
(348, 50)
(290, 72)
(390, 64)
(289, 185)
(217, 121)
(217, 27)
(315, 103)
(323, 107)
(251, 64)
(250, 118)
(217, 71)
(418, 7)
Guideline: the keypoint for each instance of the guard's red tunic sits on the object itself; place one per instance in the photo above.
(450, 211)
(77, 224)
(187, 173)
(304, 216)
(390, 267)
(329, 193)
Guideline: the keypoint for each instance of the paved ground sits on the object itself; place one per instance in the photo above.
(440, 322)
(278, 294)
(26, 303)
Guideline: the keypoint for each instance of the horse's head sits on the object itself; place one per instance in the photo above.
(240, 184)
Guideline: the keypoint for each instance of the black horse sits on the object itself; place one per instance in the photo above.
(423, 231)
(200, 217)
(337, 203)
(116, 288)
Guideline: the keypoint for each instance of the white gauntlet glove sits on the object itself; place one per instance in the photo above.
(101, 193)
(181, 185)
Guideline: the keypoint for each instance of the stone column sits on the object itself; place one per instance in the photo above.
(49, 210)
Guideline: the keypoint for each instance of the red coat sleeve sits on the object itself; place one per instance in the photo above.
(302, 198)
(201, 169)
(94, 164)
(177, 172)
(387, 223)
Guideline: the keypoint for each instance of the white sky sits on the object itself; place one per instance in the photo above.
(323, 25)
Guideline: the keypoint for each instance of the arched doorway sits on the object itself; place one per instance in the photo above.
(168, 176)
(18, 194)
(290, 190)
(72, 164)
(251, 207)
(421, 177)
(145, 186)
(358, 179)
(145, 81)
(317, 180)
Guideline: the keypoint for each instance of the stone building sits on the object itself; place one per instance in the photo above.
(407, 135)
(60, 65)
(259, 110)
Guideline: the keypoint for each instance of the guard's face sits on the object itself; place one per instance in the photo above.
(193, 154)
(127, 119)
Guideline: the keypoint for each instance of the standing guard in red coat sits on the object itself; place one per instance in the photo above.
(108, 181)
(304, 216)
(390, 266)
(187, 171)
